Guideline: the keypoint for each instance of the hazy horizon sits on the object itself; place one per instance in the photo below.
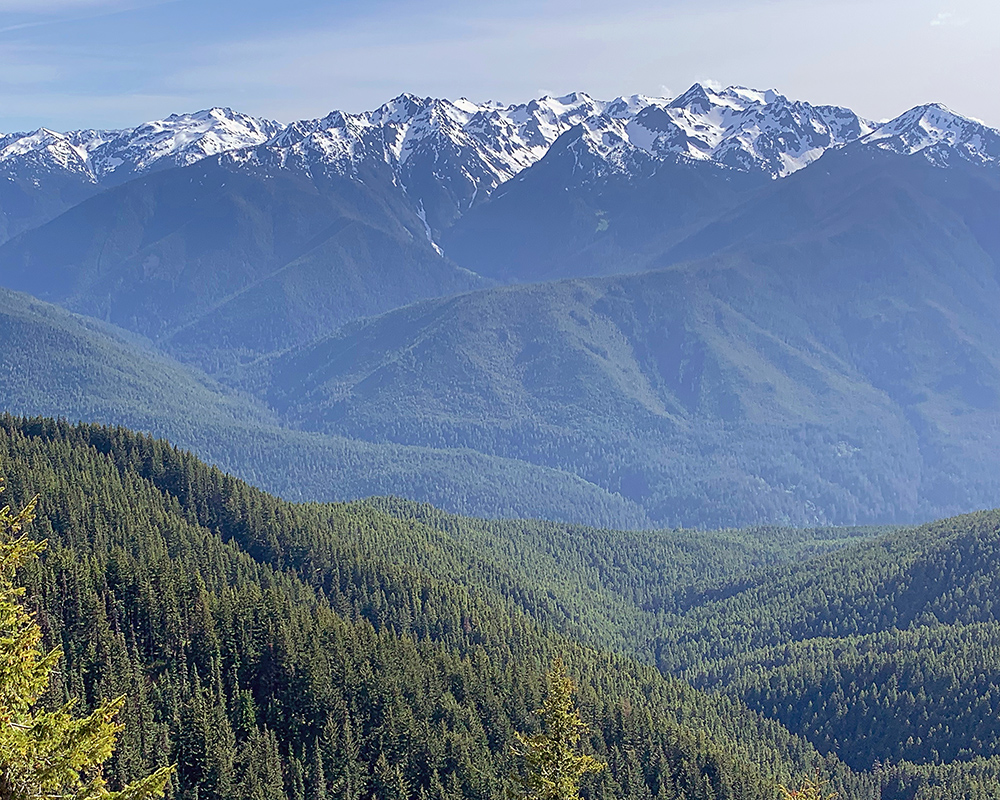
(116, 63)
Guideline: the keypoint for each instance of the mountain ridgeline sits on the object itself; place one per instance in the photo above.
(380, 413)
(725, 308)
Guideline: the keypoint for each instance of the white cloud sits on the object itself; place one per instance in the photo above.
(33, 13)
(949, 18)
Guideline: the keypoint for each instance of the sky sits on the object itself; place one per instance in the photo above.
(115, 63)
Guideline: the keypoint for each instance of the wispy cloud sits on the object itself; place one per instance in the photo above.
(26, 14)
(950, 19)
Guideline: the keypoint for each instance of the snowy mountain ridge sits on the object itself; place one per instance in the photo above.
(178, 140)
(937, 133)
(449, 154)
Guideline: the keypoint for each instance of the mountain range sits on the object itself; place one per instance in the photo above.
(722, 308)
(452, 154)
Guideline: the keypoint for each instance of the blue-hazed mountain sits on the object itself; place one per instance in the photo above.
(45, 172)
(446, 155)
(826, 351)
(556, 186)
(277, 234)
(216, 262)
(57, 363)
(449, 156)
(599, 203)
(804, 333)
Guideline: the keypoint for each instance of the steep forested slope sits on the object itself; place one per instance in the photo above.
(880, 652)
(942, 573)
(65, 365)
(884, 650)
(245, 628)
(265, 650)
(721, 392)
(614, 588)
(61, 364)
(216, 263)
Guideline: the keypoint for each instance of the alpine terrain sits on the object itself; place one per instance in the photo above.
(722, 308)
(575, 449)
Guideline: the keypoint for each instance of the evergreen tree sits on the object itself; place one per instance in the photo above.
(261, 774)
(554, 765)
(317, 775)
(47, 753)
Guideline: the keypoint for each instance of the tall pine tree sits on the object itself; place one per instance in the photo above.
(47, 753)
(552, 759)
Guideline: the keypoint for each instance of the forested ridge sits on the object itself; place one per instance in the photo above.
(262, 668)
(473, 352)
(878, 645)
(385, 649)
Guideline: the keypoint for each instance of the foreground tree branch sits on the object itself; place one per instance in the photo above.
(45, 753)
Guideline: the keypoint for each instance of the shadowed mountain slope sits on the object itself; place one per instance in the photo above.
(61, 364)
(837, 366)
(214, 262)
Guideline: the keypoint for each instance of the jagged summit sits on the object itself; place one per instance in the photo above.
(461, 151)
(599, 146)
(938, 133)
(177, 140)
(745, 129)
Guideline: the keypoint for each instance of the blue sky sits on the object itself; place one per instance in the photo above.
(107, 63)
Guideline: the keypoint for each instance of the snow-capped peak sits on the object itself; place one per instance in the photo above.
(937, 133)
(462, 151)
(624, 108)
(600, 146)
(46, 152)
(180, 139)
(746, 129)
(399, 110)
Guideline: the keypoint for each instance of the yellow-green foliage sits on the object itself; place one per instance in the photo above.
(811, 789)
(47, 753)
(552, 758)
